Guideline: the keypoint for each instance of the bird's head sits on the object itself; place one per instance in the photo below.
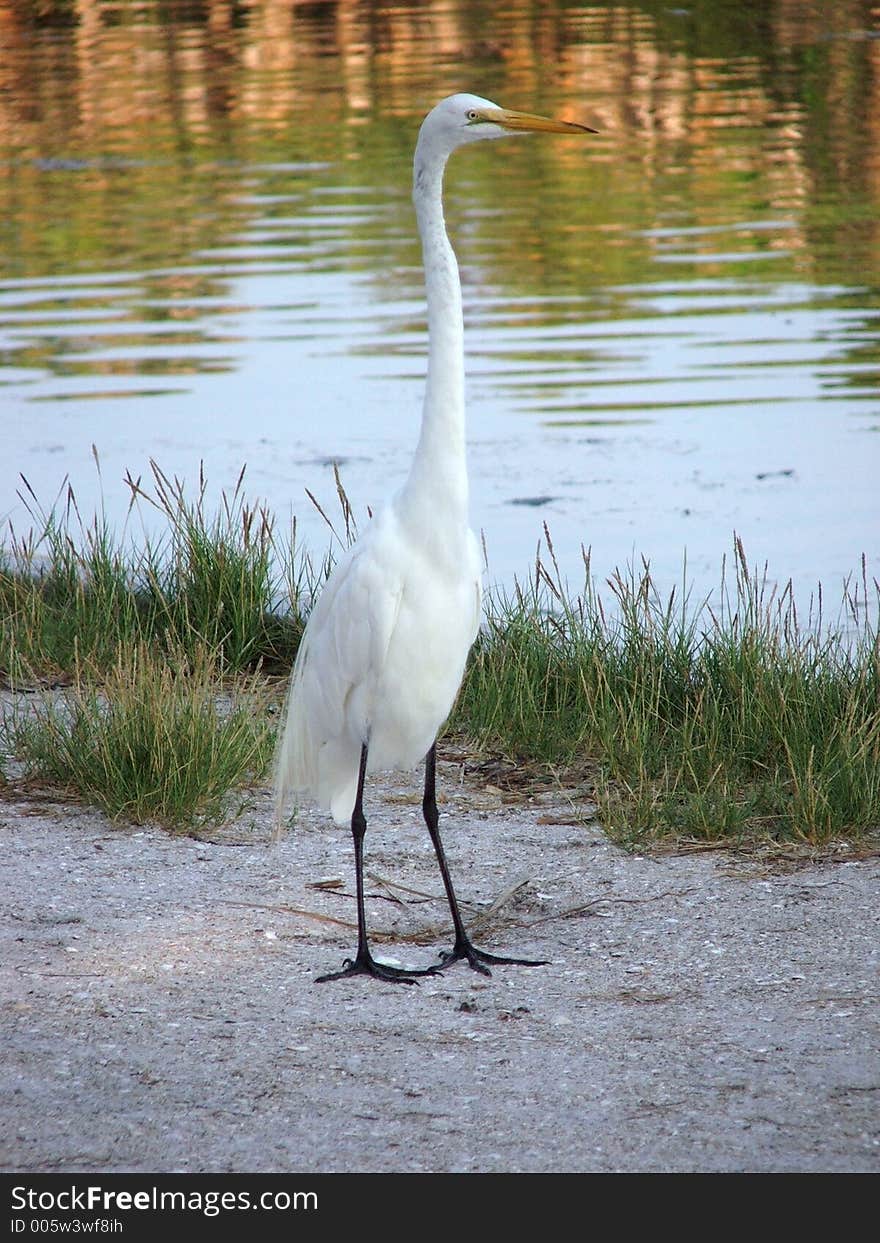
(461, 119)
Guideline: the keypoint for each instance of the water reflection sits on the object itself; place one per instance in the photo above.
(208, 253)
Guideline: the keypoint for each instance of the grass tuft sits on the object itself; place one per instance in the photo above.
(74, 591)
(709, 725)
(151, 738)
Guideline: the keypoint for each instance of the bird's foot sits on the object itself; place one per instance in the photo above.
(478, 960)
(366, 964)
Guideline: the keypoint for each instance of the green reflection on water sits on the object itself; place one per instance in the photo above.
(137, 138)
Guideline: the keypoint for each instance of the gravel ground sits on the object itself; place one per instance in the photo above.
(159, 1011)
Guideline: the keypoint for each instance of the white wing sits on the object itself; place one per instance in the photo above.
(380, 663)
(342, 652)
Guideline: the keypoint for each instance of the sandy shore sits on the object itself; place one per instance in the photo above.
(702, 1012)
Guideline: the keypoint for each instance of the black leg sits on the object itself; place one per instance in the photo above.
(463, 947)
(364, 963)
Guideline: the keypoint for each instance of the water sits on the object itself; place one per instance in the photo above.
(673, 329)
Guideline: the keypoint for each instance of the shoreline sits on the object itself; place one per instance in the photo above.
(702, 1011)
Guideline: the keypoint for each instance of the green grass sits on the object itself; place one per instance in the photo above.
(709, 725)
(722, 724)
(155, 737)
(72, 591)
(153, 642)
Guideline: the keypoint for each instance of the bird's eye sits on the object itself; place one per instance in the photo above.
(473, 115)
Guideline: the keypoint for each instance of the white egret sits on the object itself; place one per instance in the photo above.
(385, 646)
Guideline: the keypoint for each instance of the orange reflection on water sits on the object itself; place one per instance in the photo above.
(713, 117)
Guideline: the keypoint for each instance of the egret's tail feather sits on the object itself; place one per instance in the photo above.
(284, 768)
(294, 766)
(325, 769)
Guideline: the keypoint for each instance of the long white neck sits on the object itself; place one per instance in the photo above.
(438, 476)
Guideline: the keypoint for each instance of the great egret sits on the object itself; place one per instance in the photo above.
(385, 646)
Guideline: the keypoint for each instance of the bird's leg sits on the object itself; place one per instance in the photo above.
(364, 963)
(463, 948)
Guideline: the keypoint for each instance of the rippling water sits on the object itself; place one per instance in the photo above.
(673, 330)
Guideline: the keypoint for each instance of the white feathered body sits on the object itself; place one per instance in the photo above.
(380, 662)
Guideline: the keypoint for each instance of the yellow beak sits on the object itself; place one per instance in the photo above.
(525, 122)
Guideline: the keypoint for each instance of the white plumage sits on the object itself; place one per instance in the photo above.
(385, 646)
(381, 660)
